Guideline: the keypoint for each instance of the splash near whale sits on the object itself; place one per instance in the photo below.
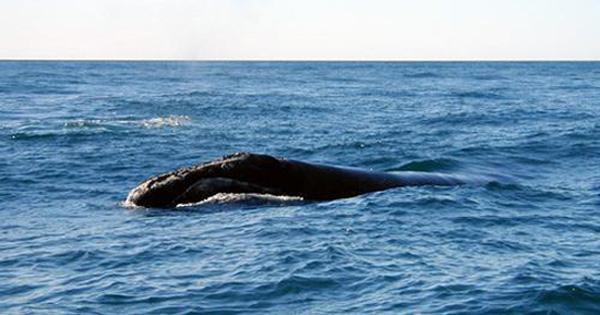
(263, 174)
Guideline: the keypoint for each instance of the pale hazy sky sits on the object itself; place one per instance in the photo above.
(301, 29)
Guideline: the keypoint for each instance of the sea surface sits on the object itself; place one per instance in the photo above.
(76, 137)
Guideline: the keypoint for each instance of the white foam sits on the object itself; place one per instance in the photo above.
(222, 198)
(169, 121)
(128, 204)
(156, 122)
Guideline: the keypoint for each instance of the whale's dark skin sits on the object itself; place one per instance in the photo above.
(264, 174)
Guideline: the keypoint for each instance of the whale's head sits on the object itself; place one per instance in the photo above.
(237, 173)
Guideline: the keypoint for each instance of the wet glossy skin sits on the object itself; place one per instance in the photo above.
(256, 173)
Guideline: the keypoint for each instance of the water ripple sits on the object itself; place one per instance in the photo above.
(75, 137)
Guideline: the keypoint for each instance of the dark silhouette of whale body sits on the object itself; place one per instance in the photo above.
(264, 174)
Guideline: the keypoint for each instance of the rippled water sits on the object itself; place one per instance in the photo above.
(75, 137)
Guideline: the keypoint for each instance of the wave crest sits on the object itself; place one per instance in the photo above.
(170, 121)
(156, 122)
(93, 126)
(246, 198)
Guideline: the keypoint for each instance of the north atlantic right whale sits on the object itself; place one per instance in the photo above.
(264, 174)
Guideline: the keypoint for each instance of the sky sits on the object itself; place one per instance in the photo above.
(301, 29)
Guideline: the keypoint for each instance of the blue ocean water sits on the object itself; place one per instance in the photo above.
(75, 137)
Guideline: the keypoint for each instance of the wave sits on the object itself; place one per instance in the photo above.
(85, 127)
(41, 135)
(47, 75)
(233, 198)
(477, 94)
(388, 93)
(170, 121)
(577, 87)
(422, 75)
(431, 165)
(344, 79)
(583, 297)
(37, 89)
(244, 198)
(156, 122)
(489, 77)
(196, 94)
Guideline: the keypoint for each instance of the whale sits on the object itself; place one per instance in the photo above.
(245, 172)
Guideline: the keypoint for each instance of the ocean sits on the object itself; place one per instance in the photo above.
(76, 137)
